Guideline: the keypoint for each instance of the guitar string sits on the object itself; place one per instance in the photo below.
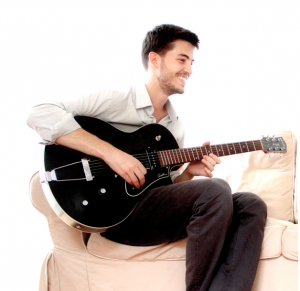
(184, 151)
(204, 148)
(212, 148)
(172, 155)
(102, 166)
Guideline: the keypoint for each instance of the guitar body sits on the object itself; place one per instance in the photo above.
(106, 200)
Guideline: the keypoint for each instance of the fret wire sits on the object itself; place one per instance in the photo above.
(201, 151)
(167, 154)
(217, 150)
(185, 154)
(222, 150)
(170, 156)
(185, 159)
(254, 145)
(164, 159)
(182, 160)
(193, 149)
(189, 155)
(241, 147)
(234, 148)
(228, 149)
(247, 146)
(197, 155)
(173, 157)
(177, 155)
(222, 147)
(210, 149)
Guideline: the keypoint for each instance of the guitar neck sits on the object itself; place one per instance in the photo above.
(179, 156)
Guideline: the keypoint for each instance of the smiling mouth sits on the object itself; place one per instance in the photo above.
(183, 80)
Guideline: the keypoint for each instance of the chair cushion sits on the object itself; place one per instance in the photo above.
(272, 178)
(104, 248)
(280, 239)
(290, 242)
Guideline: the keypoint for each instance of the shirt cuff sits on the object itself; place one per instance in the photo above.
(65, 126)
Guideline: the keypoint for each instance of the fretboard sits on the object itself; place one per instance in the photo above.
(178, 156)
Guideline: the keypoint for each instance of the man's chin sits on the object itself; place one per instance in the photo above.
(171, 90)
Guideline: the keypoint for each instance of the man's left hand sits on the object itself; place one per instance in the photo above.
(204, 167)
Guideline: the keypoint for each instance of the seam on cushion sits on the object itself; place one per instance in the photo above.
(276, 226)
(87, 272)
(46, 269)
(290, 258)
(294, 174)
(55, 267)
(263, 258)
(86, 266)
(134, 260)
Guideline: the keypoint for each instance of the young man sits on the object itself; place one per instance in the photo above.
(224, 231)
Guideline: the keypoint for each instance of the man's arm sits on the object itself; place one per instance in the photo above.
(125, 165)
(201, 168)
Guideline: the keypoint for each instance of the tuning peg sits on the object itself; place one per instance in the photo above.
(280, 155)
(267, 138)
(274, 155)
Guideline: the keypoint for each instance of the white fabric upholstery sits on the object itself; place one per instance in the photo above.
(102, 265)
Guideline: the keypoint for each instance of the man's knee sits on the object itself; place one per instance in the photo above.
(253, 204)
(218, 194)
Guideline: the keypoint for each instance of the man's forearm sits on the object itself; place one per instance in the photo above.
(85, 142)
(125, 165)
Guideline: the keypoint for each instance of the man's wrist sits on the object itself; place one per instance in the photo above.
(185, 176)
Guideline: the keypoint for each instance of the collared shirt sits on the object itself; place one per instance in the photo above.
(126, 111)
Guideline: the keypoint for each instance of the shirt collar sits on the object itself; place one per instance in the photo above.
(143, 100)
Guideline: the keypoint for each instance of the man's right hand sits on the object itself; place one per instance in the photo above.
(128, 167)
(125, 165)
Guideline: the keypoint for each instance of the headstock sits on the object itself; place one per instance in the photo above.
(274, 145)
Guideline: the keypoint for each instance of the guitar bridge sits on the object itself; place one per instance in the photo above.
(49, 176)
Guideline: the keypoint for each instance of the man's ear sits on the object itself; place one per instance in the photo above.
(154, 60)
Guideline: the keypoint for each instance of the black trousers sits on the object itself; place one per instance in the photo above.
(224, 231)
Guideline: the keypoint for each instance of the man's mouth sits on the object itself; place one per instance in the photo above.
(183, 79)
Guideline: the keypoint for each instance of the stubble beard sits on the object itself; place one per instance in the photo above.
(165, 81)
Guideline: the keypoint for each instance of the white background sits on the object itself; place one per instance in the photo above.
(245, 83)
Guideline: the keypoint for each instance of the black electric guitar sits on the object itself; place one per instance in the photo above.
(86, 194)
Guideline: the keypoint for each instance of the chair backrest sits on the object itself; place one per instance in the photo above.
(272, 178)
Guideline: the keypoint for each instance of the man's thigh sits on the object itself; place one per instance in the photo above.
(163, 214)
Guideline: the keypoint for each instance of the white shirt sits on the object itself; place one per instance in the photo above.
(126, 111)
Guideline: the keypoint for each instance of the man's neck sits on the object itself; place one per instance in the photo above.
(157, 95)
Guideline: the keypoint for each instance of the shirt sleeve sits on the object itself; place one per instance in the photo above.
(54, 119)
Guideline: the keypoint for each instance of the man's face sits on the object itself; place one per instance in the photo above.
(175, 67)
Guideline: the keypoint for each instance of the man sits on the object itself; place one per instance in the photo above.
(224, 231)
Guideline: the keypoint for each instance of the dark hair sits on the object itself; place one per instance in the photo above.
(160, 40)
